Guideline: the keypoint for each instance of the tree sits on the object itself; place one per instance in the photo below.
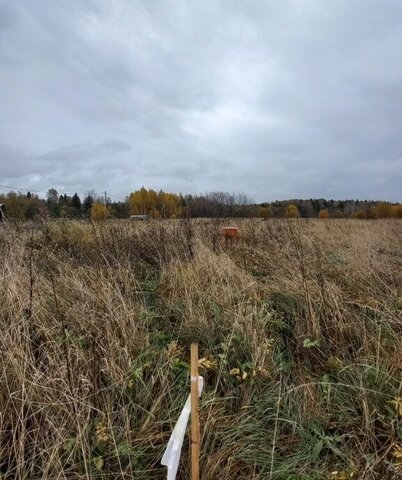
(155, 204)
(15, 204)
(292, 211)
(397, 211)
(138, 202)
(87, 203)
(52, 195)
(118, 210)
(98, 212)
(323, 214)
(67, 211)
(32, 208)
(265, 212)
(53, 202)
(316, 205)
(383, 210)
(76, 204)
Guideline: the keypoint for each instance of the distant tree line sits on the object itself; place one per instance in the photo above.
(321, 208)
(171, 205)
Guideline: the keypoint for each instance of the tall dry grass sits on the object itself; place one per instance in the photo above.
(299, 323)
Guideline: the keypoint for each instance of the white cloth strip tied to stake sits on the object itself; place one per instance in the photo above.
(171, 457)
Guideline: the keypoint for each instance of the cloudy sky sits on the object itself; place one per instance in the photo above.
(276, 99)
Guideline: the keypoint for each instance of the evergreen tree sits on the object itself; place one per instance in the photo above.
(87, 203)
(76, 204)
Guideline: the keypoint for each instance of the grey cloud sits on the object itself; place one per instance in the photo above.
(8, 16)
(275, 99)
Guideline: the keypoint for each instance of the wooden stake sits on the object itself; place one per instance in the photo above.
(195, 417)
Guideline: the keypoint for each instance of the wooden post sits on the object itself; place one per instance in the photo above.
(195, 417)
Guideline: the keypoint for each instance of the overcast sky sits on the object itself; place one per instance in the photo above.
(276, 99)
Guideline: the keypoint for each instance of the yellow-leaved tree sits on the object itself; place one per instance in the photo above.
(397, 211)
(265, 212)
(323, 214)
(98, 212)
(383, 210)
(155, 204)
(292, 211)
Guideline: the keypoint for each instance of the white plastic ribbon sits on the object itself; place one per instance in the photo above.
(171, 457)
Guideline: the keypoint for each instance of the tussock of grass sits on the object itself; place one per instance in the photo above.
(299, 323)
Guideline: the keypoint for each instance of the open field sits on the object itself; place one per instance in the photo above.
(299, 321)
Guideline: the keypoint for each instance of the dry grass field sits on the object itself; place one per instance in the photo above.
(298, 323)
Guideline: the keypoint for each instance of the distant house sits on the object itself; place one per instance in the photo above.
(139, 217)
(2, 212)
